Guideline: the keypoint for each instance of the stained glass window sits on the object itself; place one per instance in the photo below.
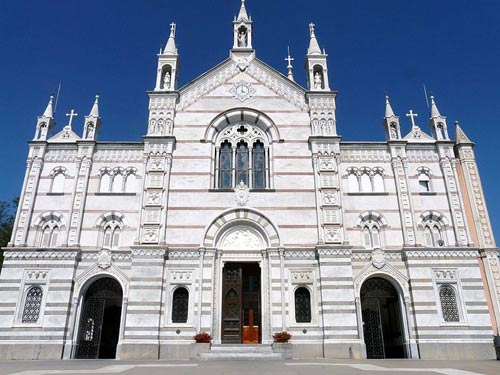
(302, 305)
(259, 166)
(180, 306)
(32, 305)
(449, 305)
(242, 163)
(226, 166)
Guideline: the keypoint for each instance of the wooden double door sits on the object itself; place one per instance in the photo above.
(241, 301)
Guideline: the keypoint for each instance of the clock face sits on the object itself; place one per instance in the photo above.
(242, 90)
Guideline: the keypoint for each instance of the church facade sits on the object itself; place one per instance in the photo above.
(243, 213)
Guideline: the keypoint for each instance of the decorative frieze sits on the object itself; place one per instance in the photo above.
(425, 254)
(60, 254)
(118, 155)
(302, 277)
(181, 277)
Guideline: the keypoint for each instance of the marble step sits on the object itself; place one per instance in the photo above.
(242, 348)
(240, 353)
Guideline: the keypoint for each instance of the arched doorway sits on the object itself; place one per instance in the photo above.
(99, 326)
(382, 325)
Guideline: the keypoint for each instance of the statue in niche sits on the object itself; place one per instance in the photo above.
(439, 131)
(394, 133)
(160, 128)
(318, 81)
(169, 126)
(43, 131)
(167, 79)
(242, 38)
(90, 131)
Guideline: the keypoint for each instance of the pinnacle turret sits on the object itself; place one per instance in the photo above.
(49, 111)
(171, 48)
(45, 123)
(314, 48)
(92, 122)
(437, 122)
(434, 109)
(243, 15)
(95, 108)
(460, 136)
(388, 109)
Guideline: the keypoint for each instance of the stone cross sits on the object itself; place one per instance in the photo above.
(172, 28)
(71, 115)
(412, 115)
(311, 27)
(289, 58)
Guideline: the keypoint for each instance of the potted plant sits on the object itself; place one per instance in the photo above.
(201, 344)
(282, 345)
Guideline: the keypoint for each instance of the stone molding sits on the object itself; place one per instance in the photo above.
(334, 253)
(300, 254)
(96, 271)
(183, 254)
(387, 270)
(32, 254)
(433, 253)
(149, 253)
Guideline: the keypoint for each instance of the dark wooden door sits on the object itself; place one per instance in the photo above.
(232, 303)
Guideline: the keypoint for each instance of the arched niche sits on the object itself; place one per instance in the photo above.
(241, 229)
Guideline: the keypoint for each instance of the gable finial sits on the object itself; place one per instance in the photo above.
(290, 59)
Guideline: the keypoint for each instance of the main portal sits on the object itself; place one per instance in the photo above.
(241, 311)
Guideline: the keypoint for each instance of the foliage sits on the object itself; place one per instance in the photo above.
(282, 337)
(202, 338)
(7, 215)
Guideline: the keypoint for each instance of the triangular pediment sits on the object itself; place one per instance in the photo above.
(242, 80)
(416, 135)
(64, 136)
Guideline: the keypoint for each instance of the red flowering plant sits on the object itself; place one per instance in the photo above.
(202, 338)
(282, 337)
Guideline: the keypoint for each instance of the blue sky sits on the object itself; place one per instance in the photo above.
(374, 47)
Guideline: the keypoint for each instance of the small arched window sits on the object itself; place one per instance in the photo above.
(366, 183)
(58, 183)
(105, 186)
(424, 179)
(433, 236)
(378, 182)
(226, 166)
(353, 183)
(118, 181)
(180, 305)
(111, 236)
(449, 306)
(32, 305)
(259, 166)
(302, 305)
(130, 183)
(371, 236)
(50, 235)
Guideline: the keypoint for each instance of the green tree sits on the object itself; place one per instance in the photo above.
(7, 215)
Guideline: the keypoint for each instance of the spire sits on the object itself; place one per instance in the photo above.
(460, 136)
(434, 109)
(388, 109)
(49, 111)
(170, 48)
(391, 122)
(243, 15)
(313, 44)
(92, 122)
(290, 66)
(94, 112)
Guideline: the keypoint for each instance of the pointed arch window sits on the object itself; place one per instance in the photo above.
(449, 305)
(242, 155)
(433, 236)
(130, 182)
(50, 234)
(180, 305)
(303, 305)
(371, 236)
(259, 166)
(366, 183)
(242, 162)
(105, 185)
(111, 234)
(378, 182)
(32, 305)
(58, 183)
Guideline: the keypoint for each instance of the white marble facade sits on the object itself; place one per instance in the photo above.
(319, 213)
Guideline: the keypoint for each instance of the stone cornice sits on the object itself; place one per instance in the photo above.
(41, 254)
(441, 253)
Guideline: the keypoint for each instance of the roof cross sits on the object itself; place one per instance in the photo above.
(412, 115)
(71, 115)
(289, 58)
(172, 28)
(311, 27)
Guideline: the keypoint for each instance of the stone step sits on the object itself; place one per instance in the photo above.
(241, 356)
(240, 353)
(242, 348)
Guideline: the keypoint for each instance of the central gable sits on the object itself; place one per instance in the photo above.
(240, 82)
